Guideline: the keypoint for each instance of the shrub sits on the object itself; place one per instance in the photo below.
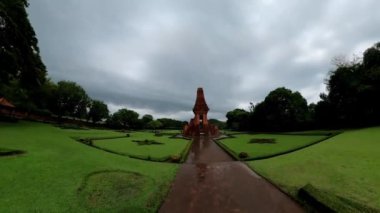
(262, 140)
(243, 155)
(175, 158)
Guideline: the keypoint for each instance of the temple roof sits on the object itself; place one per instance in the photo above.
(200, 103)
(6, 103)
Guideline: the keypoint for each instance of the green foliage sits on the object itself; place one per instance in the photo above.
(237, 119)
(146, 119)
(345, 165)
(354, 89)
(17, 95)
(98, 111)
(352, 101)
(70, 99)
(19, 52)
(55, 169)
(371, 57)
(124, 118)
(168, 123)
(154, 124)
(281, 110)
(218, 123)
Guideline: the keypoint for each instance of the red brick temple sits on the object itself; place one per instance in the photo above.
(199, 124)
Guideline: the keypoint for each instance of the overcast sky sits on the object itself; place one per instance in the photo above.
(151, 56)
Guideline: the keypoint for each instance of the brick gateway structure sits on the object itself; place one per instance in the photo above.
(199, 124)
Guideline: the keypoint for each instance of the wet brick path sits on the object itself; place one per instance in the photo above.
(211, 181)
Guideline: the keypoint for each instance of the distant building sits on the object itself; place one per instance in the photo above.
(199, 124)
(6, 107)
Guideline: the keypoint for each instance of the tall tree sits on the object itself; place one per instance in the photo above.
(22, 72)
(19, 52)
(371, 57)
(281, 110)
(343, 90)
(237, 119)
(354, 91)
(98, 111)
(154, 124)
(70, 99)
(146, 119)
(124, 118)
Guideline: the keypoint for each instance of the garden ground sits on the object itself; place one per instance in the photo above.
(58, 174)
(50, 171)
(344, 167)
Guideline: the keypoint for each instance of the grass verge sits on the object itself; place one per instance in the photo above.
(345, 166)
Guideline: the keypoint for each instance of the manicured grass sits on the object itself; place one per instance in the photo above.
(346, 165)
(283, 143)
(157, 152)
(58, 174)
(170, 131)
(2, 150)
(229, 132)
(92, 133)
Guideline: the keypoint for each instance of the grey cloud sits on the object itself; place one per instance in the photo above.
(152, 55)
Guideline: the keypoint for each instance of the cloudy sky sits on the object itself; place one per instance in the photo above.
(151, 56)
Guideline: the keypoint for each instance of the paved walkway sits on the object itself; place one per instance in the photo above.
(211, 181)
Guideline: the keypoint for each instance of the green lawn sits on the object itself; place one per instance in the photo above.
(92, 133)
(347, 165)
(283, 143)
(58, 174)
(170, 131)
(158, 152)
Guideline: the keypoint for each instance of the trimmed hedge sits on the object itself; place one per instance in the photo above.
(9, 152)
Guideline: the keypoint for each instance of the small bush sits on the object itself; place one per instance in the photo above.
(175, 158)
(147, 142)
(262, 140)
(8, 152)
(87, 141)
(243, 155)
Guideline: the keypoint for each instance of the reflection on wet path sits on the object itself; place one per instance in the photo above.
(211, 181)
(205, 150)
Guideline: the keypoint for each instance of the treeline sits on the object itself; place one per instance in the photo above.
(353, 100)
(128, 119)
(24, 81)
(67, 99)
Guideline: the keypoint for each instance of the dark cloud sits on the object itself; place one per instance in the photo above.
(152, 55)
